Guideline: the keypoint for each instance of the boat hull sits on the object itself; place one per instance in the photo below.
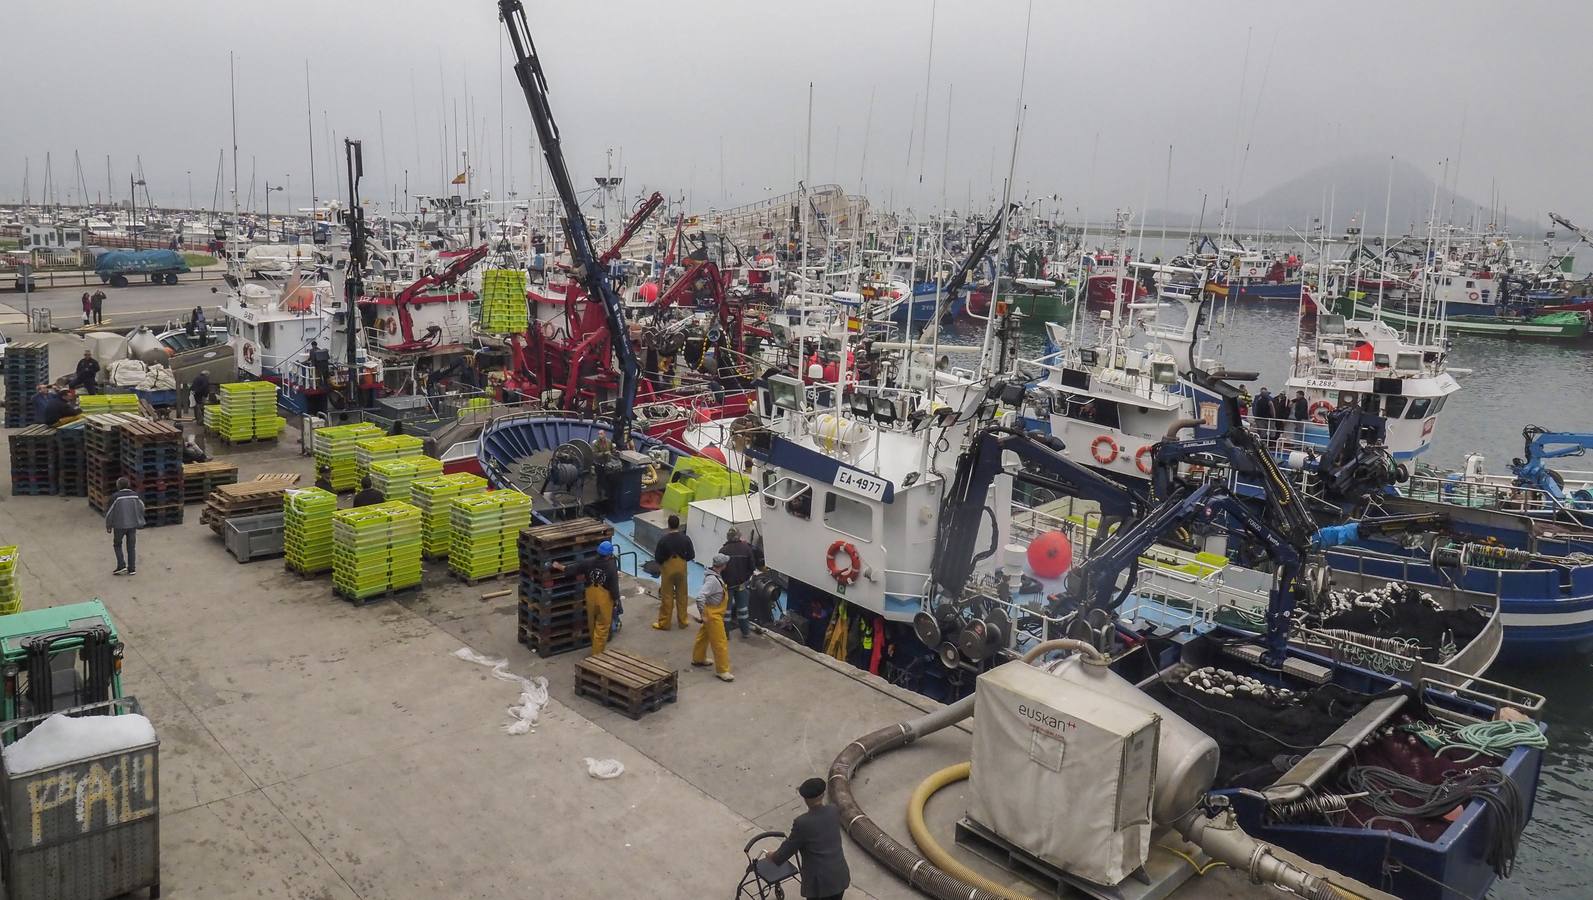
(1555, 326)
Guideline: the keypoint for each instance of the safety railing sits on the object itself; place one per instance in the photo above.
(1479, 494)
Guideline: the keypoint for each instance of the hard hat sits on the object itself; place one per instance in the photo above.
(605, 549)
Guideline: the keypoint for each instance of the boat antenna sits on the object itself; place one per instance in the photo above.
(1382, 256)
(309, 135)
(232, 77)
(1006, 195)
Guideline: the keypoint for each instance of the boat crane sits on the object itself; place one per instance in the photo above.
(1543, 445)
(533, 82)
(452, 273)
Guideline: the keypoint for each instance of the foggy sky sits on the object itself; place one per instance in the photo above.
(1498, 89)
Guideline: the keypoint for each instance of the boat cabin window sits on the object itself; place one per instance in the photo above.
(796, 495)
(1394, 407)
(1418, 407)
(1470, 283)
(1164, 373)
(1408, 362)
(1438, 405)
(1091, 409)
(1329, 325)
(848, 516)
(1380, 360)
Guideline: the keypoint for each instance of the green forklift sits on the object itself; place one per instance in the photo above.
(58, 658)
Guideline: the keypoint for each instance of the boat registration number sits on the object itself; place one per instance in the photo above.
(1321, 383)
(859, 483)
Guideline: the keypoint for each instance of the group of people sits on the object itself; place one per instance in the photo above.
(94, 308)
(51, 405)
(1275, 416)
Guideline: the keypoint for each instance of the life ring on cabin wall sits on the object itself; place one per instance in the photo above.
(1142, 459)
(1319, 411)
(1103, 441)
(854, 565)
(1473, 296)
(1254, 271)
(390, 325)
(248, 353)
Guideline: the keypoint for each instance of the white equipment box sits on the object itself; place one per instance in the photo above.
(1062, 772)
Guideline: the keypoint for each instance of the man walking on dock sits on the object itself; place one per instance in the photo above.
(816, 835)
(711, 603)
(124, 515)
(602, 587)
(673, 552)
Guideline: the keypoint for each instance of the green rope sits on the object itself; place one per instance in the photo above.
(1496, 738)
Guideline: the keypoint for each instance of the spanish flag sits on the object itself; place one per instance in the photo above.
(458, 179)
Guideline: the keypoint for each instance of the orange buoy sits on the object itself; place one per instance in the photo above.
(1050, 554)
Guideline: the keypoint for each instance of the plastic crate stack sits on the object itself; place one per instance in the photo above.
(553, 561)
(503, 301)
(335, 450)
(307, 529)
(485, 527)
(434, 498)
(33, 461)
(71, 461)
(247, 412)
(395, 477)
(10, 593)
(375, 550)
(26, 366)
(472, 405)
(386, 447)
(152, 460)
(102, 450)
(91, 404)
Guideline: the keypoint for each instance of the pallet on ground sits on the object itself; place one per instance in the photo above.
(547, 644)
(626, 682)
(570, 533)
(241, 499)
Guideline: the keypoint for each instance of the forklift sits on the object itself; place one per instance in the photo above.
(56, 659)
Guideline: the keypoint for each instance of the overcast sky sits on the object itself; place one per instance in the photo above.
(1499, 89)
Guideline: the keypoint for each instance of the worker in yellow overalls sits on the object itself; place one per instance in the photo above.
(673, 552)
(711, 602)
(602, 586)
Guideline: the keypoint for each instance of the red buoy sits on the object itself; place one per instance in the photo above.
(1050, 554)
(648, 291)
(715, 454)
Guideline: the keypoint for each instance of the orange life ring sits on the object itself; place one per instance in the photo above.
(391, 324)
(1254, 271)
(854, 565)
(1319, 411)
(1141, 459)
(1473, 296)
(1109, 444)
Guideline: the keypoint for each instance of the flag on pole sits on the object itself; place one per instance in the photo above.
(458, 179)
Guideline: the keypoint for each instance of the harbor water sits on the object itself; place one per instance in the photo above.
(1512, 384)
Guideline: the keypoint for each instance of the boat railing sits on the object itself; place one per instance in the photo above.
(1492, 694)
(1283, 435)
(1476, 494)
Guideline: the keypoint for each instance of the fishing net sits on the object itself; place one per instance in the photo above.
(1401, 613)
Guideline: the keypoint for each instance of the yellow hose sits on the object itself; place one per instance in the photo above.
(930, 848)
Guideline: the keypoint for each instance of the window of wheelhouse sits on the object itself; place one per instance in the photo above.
(1419, 407)
(850, 517)
(1394, 407)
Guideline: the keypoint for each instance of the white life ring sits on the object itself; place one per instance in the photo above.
(1254, 271)
(1473, 296)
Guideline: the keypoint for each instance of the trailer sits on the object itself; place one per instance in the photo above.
(161, 266)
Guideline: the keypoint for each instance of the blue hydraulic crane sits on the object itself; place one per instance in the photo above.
(528, 68)
(1543, 445)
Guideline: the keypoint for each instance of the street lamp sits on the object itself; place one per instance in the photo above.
(190, 190)
(268, 190)
(132, 211)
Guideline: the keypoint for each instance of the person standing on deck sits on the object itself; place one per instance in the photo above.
(602, 587)
(1261, 415)
(711, 603)
(1299, 411)
(124, 515)
(673, 552)
(744, 560)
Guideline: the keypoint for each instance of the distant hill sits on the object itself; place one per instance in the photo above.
(1358, 187)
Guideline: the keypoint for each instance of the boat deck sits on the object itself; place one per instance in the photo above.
(311, 749)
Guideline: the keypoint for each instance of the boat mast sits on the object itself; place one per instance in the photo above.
(1006, 196)
(309, 136)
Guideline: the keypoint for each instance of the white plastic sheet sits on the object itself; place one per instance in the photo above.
(524, 713)
(59, 740)
(604, 768)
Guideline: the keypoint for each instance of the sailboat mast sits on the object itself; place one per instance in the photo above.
(309, 137)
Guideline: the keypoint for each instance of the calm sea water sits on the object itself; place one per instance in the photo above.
(1512, 384)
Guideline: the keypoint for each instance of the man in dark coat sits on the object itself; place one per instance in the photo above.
(745, 559)
(98, 302)
(368, 495)
(1261, 414)
(88, 370)
(816, 834)
(201, 391)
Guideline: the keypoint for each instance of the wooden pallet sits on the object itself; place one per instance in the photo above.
(286, 477)
(626, 682)
(565, 535)
(388, 594)
(246, 498)
(139, 430)
(548, 646)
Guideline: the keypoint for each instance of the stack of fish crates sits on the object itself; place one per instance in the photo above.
(503, 302)
(375, 550)
(434, 497)
(307, 530)
(26, 366)
(395, 478)
(90, 404)
(247, 412)
(102, 451)
(553, 562)
(34, 461)
(335, 450)
(384, 447)
(71, 461)
(10, 592)
(152, 460)
(485, 527)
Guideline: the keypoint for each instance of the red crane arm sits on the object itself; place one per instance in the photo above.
(633, 225)
(458, 267)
